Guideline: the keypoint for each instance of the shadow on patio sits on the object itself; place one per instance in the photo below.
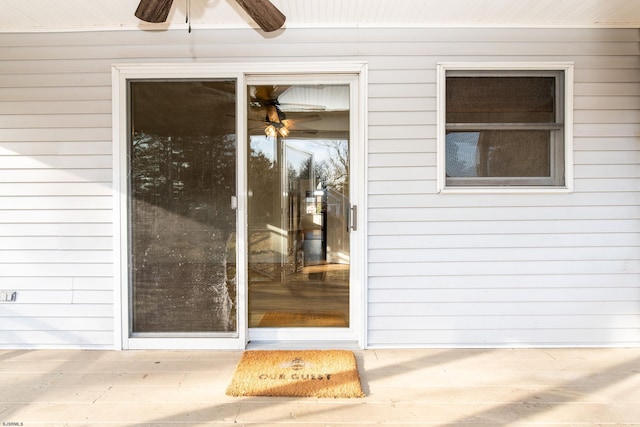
(404, 387)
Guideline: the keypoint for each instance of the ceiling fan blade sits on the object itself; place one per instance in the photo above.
(266, 15)
(153, 10)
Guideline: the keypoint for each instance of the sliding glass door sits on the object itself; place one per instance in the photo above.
(298, 207)
(236, 193)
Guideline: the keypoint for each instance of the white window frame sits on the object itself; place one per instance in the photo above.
(566, 104)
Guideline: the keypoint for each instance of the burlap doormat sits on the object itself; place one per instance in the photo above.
(303, 373)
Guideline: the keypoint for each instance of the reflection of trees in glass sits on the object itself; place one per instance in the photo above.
(263, 186)
(190, 175)
(333, 171)
(298, 171)
(182, 227)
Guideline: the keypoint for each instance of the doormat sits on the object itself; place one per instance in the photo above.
(301, 320)
(303, 373)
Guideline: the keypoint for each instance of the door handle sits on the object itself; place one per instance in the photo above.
(353, 217)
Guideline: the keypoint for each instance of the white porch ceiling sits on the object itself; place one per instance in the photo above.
(93, 15)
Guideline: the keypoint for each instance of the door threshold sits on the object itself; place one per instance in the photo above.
(303, 345)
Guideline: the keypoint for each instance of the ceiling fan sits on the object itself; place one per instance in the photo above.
(266, 15)
(280, 118)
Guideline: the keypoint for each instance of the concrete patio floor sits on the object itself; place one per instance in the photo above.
(435, 387)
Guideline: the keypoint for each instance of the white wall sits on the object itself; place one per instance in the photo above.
(506, 270)
(444, 269)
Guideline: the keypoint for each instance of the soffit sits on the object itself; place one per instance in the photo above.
(88, 15)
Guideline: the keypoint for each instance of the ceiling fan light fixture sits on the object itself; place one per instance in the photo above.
(270, 130)
(283, 131)
(273, 128)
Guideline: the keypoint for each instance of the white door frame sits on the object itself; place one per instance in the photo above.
(121, 74)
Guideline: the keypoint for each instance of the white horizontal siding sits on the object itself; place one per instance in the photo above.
(444, 270)
(535, 254)
(504, 213)
(56, 208)
(569, 280)
(509, 270)
(514, 227)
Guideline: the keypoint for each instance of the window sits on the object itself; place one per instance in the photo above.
(504, 126)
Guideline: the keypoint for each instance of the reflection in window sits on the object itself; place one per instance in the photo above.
(298, 200)
(504, 128)
(498, 154)
(182, 241)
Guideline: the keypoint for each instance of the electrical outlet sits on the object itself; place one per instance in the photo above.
(8, 296)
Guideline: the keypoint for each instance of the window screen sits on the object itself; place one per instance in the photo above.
(504, 128)
(182, 169)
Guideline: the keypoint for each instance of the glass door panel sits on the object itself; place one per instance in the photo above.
(182, 171)
(298, 179)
